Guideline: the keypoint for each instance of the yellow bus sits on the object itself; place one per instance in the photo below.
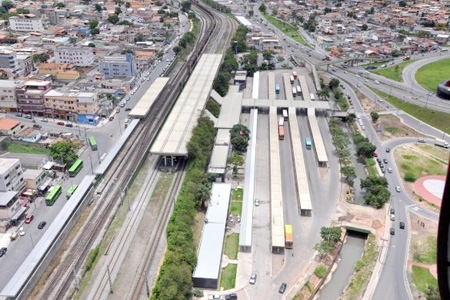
(288, 237)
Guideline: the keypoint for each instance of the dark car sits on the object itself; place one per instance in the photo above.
(385, 160)
(388, 150)
(231, 296)
(69, 125)
(18, 114)
(282, 288)
(42, 225)
(127, 109)
(37, 126)
(402, 225)
(28, 116)
(392, 231)
(3, 251)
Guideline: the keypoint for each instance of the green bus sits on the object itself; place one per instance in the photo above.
(53, 195)
(71, 190)
(75, 168)
(92, 143)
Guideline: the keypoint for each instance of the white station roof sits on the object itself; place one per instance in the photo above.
(177, 130)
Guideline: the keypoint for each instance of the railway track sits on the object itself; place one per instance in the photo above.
(120, 172)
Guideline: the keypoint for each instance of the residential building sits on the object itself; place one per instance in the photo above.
(26, 65)
(11, 175)
(79, 56)
(8, 99)
(72, 105)
(30, 96)
(9, 63)
(29, 135)
(56, 16)
(34, 178)
(117, 66)
(10, 207)
(28, 22)
(9, 127)
(59, 71)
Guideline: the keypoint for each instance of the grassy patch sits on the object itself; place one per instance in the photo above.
(236, 201)
(371, 166)
(435, 118)
(422, 277)
(363, 270)
(395, 72)
(286, 28)
(22, 148)
(392, 130)
(425, 251)
(228, 277)
(415, 163)
(232, 245)
(431, 74)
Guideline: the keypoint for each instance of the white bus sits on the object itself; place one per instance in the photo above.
(292, 79)
(311, 95)
(299, 90)
(285, 115)
(294, 92)
(281, 121)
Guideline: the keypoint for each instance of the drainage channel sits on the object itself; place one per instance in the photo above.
(351, 251)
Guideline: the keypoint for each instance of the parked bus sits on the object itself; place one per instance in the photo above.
(299, 90)
(311, 95)
(75, 168)
(294, 92)
(308, 143)
(288, 237)
(281, 132)
(281, 121)
(294, 73)
(292, 79)
(92, 143)
(71, 190)
(277, 88)
(285, 115)
(53, 195)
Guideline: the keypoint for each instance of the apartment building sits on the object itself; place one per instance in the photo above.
(26, 65)
(117, 66)
(8, 99)
(9, 63)
(78, 56)
(30, 96)
(76, 106)
(28, 22)
(11, 175)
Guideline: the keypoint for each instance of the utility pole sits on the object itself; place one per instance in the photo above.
(109, 280)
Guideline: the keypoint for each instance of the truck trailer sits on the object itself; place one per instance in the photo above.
(441, 143)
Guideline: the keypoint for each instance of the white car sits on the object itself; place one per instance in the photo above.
(21, 231)
(122, 104)
(398, 189)
(256, 202)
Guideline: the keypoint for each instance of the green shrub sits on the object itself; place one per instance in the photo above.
(91, 259)
(320, 271)
(410, 177)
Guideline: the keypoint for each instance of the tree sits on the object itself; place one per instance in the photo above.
(375, 116)
(114, 19)
(117, 11)
(186, 6)
(98, 8)
(330, 234)
(127, 4)
(240, 143)
(334, 83)
(240, 130)
(7, 5)
(262, 8)
(351, 118)
(365, 149)
(92, 45)
(60, 5)
(348, 172)
(432, 293)
(38, 58)
(93, 23)
(95, 31)
(364, 27)
(65, 151)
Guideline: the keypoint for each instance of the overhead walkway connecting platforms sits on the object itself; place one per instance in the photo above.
(301, 178)
(245, 233)
(177, 130)
(230, 111)
(142, 108)
(285, 103)
(276, 194)
(216, 97)
(319, 146)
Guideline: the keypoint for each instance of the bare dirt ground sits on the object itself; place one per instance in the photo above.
(369, 105)
(391, 127)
